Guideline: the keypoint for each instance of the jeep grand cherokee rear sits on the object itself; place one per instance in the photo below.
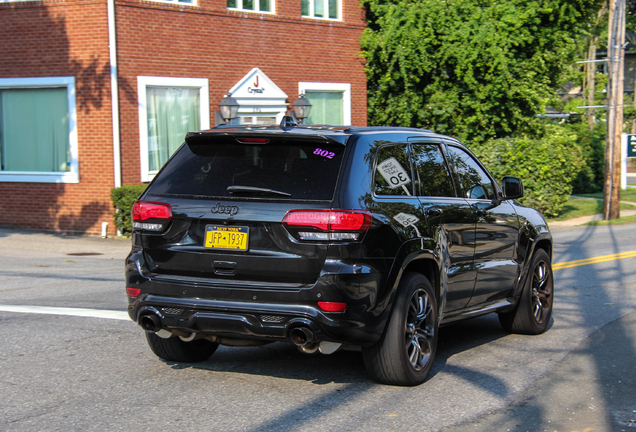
(329, 238)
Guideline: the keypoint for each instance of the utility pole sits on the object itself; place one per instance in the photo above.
(616, 57)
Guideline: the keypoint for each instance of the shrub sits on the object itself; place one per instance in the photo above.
(123, 199)
(547, 165)
(592, 144)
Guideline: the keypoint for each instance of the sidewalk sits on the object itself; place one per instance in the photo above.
(585, 219)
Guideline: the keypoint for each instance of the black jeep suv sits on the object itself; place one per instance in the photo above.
(332, 237)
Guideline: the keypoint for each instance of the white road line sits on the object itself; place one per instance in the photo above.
(91, 313)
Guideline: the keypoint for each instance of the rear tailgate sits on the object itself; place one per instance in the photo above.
(229, 195)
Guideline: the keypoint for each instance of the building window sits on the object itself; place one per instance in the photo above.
(168, 109)
(266, 6)
(326, 9)
(38, 136)
(331, 103)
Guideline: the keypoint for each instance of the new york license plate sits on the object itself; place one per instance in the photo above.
(224, 237)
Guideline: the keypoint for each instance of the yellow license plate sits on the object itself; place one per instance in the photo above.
(224, 237)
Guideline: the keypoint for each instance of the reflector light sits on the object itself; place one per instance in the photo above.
(329, 220)
(332, 306)
(143, 210)
(133, 292)
(253, 140)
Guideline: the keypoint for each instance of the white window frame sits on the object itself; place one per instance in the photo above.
(325, 11)
(71, 176)
(343, 88)
(145, 81)
(239, 7)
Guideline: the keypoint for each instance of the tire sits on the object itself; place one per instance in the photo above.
(533, 312)
(404, 354)
(174, 349)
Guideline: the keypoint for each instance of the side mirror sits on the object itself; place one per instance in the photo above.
(512, 188)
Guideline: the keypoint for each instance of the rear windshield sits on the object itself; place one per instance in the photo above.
(280, 171)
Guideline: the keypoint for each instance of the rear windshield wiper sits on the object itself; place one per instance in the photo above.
(253, 189)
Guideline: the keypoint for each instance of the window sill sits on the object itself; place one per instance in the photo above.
(38, 177)
(250, 11)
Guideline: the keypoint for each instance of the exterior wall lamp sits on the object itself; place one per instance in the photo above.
(301, 107)
(229, 108)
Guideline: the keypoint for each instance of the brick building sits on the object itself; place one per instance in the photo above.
(98, 93)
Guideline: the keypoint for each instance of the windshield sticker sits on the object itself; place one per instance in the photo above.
(324, 153)
(394, 174)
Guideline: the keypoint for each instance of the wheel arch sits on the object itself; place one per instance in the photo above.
(428, 267)
(540, 243)
(424, 262)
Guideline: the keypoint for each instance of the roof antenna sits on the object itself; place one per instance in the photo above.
(287, 123)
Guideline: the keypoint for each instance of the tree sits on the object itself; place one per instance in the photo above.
(468, 68)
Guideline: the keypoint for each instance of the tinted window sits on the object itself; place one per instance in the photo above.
(472, 179)
(302, 171)
(393, 171)
(430, 167)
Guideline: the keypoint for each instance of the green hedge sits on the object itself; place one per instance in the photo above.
(547, 165)
(123, 199)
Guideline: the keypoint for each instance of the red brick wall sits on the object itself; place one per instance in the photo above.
(56, 38)
(206, 41)
(70, 38)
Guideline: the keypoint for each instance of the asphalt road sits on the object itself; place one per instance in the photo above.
(60, 372)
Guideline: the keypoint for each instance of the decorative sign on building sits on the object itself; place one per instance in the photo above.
(260, 99)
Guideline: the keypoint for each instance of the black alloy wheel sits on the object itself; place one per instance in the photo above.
(534, 310)
(405, 353)
(420, 330)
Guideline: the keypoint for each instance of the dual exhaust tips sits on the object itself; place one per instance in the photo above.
(302, 336)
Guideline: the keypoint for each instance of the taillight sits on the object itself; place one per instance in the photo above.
(328, 224)
(159, 215)
(332, 306)
(133, 292)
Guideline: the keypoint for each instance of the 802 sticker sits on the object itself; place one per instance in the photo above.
(324, 153)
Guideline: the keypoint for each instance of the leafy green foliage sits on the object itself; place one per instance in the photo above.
(547, 165)
(472, 69)
(123, 199)
(591, 143)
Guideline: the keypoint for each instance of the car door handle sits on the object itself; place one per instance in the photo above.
(434, 211)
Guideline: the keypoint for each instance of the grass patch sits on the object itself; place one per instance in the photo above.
(577, 207)
(623, 220)
(628, 194)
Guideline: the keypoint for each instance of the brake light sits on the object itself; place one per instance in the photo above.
(253, 140)
(332, 306)
(160, 213)
(332, 224)
(144, 210)
(133, 292)
(329, 220)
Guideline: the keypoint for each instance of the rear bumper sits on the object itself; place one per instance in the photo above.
(268, 322)
(257, 312)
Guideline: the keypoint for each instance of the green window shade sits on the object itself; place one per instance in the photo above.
(34, 130)
(319, 8)
(326, 107)
(172, 112)
(333, 9)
